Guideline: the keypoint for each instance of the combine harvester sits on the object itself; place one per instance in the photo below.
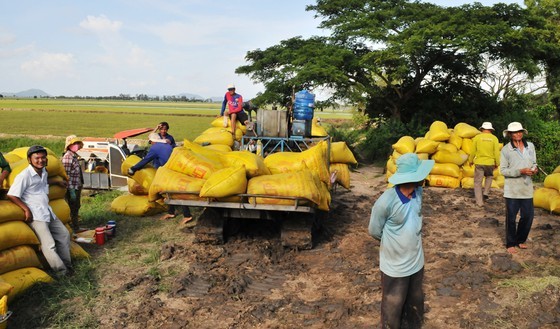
(102, 159)
(274, 131)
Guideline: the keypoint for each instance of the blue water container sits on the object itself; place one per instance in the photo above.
(304, 105)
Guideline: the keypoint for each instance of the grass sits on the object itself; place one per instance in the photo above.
(527, 286)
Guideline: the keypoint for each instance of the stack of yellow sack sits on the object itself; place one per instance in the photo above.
(449, 148)
(341, 157)
(218, 134)
(137, 203)
(548, 197)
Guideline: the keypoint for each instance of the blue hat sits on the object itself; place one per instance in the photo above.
(410, 169)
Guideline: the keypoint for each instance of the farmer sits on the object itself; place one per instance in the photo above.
(30, 192)
(75, 177)
(485, 156)
(518, 163)
(159, 153)
(396, 220)
(5, 169)
(234, 110)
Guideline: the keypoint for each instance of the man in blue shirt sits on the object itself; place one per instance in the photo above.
(396, 221)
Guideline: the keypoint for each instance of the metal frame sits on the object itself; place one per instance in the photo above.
(282, 144)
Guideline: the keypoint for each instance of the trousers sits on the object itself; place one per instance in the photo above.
(517, 233)
(402, 303)
(55, 243)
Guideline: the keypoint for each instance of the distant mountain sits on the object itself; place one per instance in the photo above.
(26, 93)
(191, 96)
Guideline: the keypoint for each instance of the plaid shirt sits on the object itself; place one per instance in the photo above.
(73, 170)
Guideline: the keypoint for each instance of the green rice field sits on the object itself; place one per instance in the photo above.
(102, 118)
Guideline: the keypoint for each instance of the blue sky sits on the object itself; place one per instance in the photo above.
(155, 47)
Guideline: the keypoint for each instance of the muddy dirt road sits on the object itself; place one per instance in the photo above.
(253, 282)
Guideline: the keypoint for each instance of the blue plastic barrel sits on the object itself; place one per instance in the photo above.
(304, 105)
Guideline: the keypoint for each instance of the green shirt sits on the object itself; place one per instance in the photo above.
(485, 150)
(4, 164)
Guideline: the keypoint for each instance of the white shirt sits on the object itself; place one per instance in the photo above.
(33, 190)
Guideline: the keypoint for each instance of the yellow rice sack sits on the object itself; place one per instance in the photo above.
(213, 130)
(325, 195)
(391, 165)
(144, 177)
(210, 151)
(55, 167)
(316, 159)
(218, 147)
(395, 155)
(426, 146)
(185, 161)
(443, 181)
(225, 182)
(135, 205)
(342, 174)
(547, 199)
(130, 161)
(446, 169)
(468, 170)
(455, 139)
(16, 167)
(77, 252)
(296, 184)
(56, 191)
(284, 162)
(464, 130)
(468, 182)
(556, 170)
(135, 188)
(169, 180)
(9, 211)
(254, 164)
(222, 137)
(22, 151)
(61, 209)
(340, 153)
(17, 233)
(18, 257)
(5, 288)
(12, 158)
(423, 156)
(405, 144)
(467, 145)
(439, 131)
(447, 147)
(219, 122)
(23, 278)
(317, 130)
(552, 181)
(448, 157)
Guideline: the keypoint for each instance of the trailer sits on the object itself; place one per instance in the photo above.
(298, 221)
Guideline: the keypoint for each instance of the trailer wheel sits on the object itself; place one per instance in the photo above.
(210, 227)
(297, 231)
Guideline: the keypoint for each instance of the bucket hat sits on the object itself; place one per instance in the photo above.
(513, 127)
(410, 169)
(72, 139)
(486, 125)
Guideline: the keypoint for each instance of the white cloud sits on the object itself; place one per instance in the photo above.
(100, 24)
(49, 65)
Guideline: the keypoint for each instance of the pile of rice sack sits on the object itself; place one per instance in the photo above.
(20, 265)
(548, 197)
(215, 172)
(450, 148)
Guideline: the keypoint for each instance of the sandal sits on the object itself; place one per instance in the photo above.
(167, 216)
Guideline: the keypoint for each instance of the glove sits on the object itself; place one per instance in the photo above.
(72, 193)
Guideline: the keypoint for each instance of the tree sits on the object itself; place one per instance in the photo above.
(383, 53)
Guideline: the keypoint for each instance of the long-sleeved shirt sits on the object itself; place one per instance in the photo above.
(234, 103)
(73, 170)
(158, 154)
(485, 150)
(397, 222)
(512, 160)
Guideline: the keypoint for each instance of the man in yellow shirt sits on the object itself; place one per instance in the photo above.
(486, 157)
